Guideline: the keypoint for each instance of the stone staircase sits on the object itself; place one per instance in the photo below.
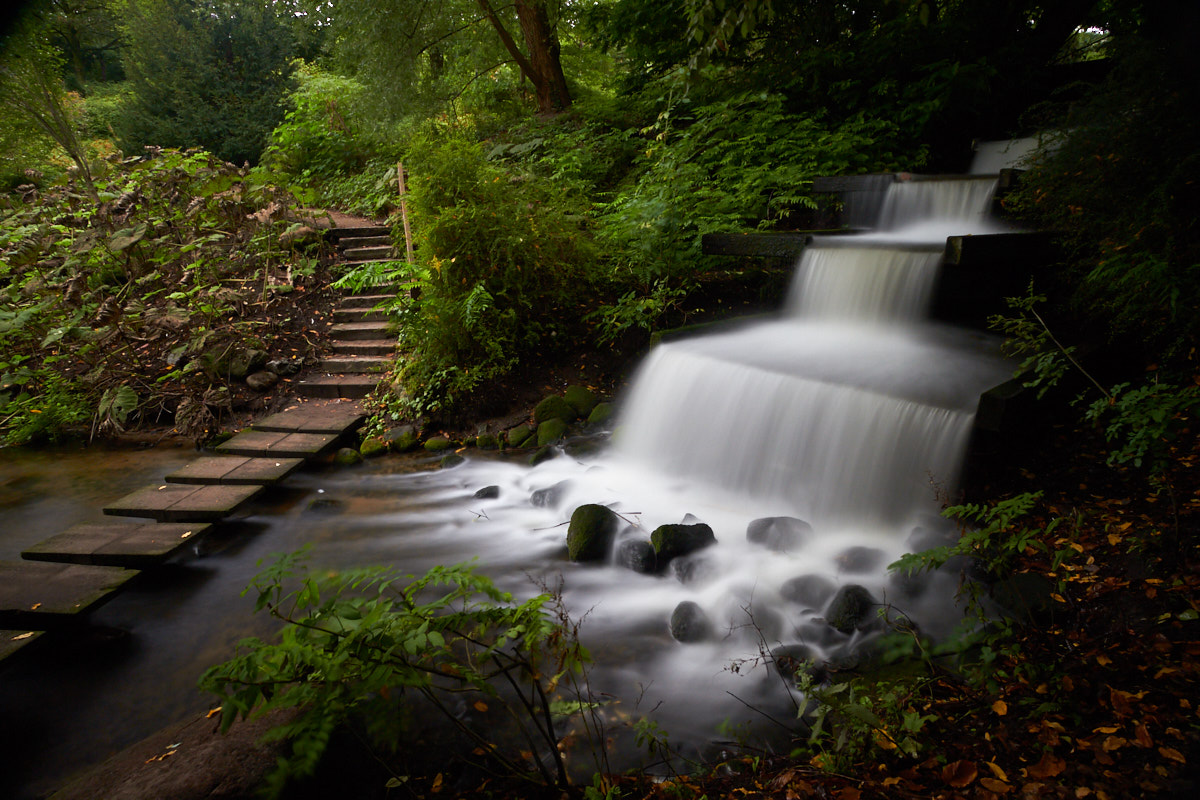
(363, 343)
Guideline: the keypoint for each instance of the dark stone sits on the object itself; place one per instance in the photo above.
(246, 361)
(544, 454)
(487, 493)
(779, 533)
(582, 399)
(323, 504)
(689, 623)
(551, 431)
(550, 496)
(860, 559)
(810, 591)
(451, 460)
(637, 555)
(850, 608)
(486, 441)
(591, 532)
(401, 438)
(347, 456)
(908, 585)
(553, 407)
(601, 414)
(373, 446)
(262, 380)
(672, 541)
(519, 434)
(282, 367)
(689, 571)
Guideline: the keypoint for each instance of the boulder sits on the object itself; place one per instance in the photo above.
(810, 591)
(244, 362)
(779, 534)
(373, 446)
(601, 414)
(551, 431)
(850, 609)
(486, 441)
(450, 460)
(347, 456)
(284, 368)
(860, 559)
(591, 532)
(689, 623)
(487, 493)
(553, 407)
(637, 555)
(438, 444)
(262, 380)
(672, 541)
(518, 434)
(544, 454)
(582, 399)
(692, 571)
(550, 496)
(401, 438)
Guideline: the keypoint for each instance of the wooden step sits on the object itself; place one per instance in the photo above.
(365, 300)
(359, 331)
(235, 471)
(376, 253)
(358, 365)
(353, 387)
(135, 545)
(276, 444)
(366, 347)
(315, 417)
(357, 230)
(38, 595)
(372, 240)
(179, 502)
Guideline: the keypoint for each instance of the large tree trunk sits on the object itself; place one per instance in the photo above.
(542, 66)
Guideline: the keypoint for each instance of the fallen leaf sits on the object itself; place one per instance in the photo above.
(21, 636)
(212, 712)
(437, 784)
(1143, 735)
(1000, 707)
(1103, 661)
(480, 706)
(959, 773)
(996, 770)
(1172, 754)
(848, 793)
(993, 785)
(1048, 767)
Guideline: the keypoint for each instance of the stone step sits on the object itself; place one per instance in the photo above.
(358, 365)
(357, 230)
(365, 300)
(276, 444)
(359, 315)
(38, 595)
(315, 417)
(235, 471)
(366, 347)
(117, 544)
(377, 253)
(330, 386)
(178, 502)
(383, 239)
(359, 331)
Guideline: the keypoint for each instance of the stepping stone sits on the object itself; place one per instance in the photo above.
(235, 470)
(359, 315)
(330, 386)
(359, 364)
(179, 502)
(117, 544)
(37, 595)
(315, 417)
(356, 331)
(12, 641)
(366, 347)
(365, 300)
(277, 444)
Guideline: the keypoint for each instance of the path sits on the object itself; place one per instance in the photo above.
(59, 580)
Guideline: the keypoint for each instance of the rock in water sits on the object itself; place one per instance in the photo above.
(553, 407)
(850, 608)
(637, 555)
(672, 541)
(591, 532)
(689, 623)
(810, 591)
(779, 533)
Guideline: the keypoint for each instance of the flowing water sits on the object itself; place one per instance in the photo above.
(847, 411)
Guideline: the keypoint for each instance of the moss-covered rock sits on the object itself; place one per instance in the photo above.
(672, 541)
(591, 532)
(543, 454)
(487, 441)
(518, 435)
(347, 456)
(689, 623)
(554, 407)
(373, 446)
(850, 608)
(582, 399)
(451, 460)
(637, 555)
(601, 414)
(551, 431)
(402, 438)
(438, 444)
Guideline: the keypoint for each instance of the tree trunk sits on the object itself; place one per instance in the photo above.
(542, 67)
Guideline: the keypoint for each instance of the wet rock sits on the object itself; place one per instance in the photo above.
(450, 460)
(553, 407)
(262, 380)
(284, 368)
(551, 431)
(323, 504)
(544, 454)
(601, 414)
(373, 446)
(637, 555)
(779, 533)
(689, 623)
(810, 591)
(347, 456)
(672, 541)
(486, 441)
(691, 571)
(860, 559)
(401, 438)
(851, 608)
(931, 533)
(550, 496)
(244, 362)
(591, 532)
(438, 444)
(691, 519)
(793, 660)
(517, 435)
(904, 585)
(582, 399)
(487, 493)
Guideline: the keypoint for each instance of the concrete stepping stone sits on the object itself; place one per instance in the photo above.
(277, 444)
(315, 417)
(235, 470)
(180, 502)
(37, 595)
(366, 347)
(331, 386)
(356, 364)
(117, 544)
(356, 331)
(12, 641)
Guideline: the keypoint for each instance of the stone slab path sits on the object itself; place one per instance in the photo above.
(117, 544)
(40, 595)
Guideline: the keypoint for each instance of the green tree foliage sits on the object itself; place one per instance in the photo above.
(87, 33)
(208, 73)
